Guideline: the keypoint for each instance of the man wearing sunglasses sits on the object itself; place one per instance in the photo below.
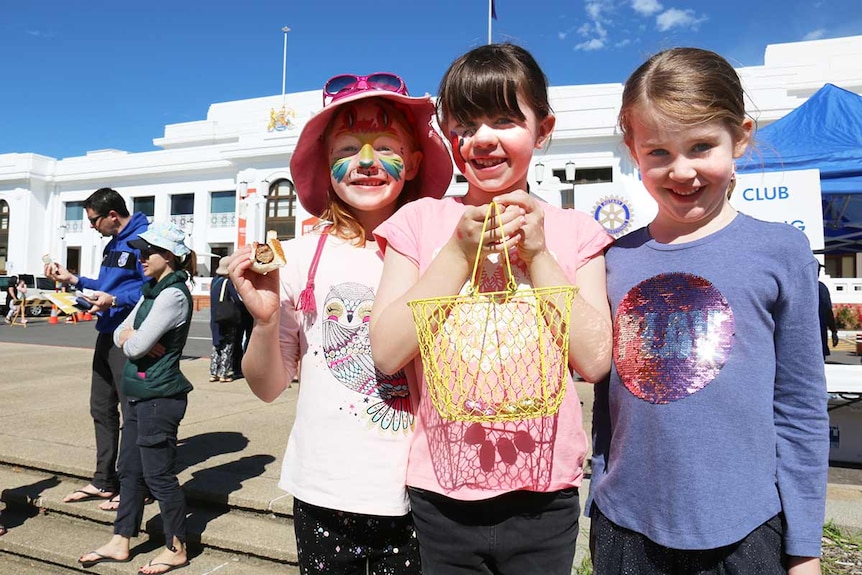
(115, 293)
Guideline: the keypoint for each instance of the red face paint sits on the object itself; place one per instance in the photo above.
(457, 143)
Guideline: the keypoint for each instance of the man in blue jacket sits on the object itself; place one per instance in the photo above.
(116, 291)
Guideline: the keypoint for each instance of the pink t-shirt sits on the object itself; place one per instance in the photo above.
(470, 461)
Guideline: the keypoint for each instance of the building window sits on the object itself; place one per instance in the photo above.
(587, 175)
(223, 209)
(567, 198)
(74, 211)
(145, 205)
(223, 202)
(74, 217)
(182, 209)
(4, 215)
(281, 209)
(182, 204)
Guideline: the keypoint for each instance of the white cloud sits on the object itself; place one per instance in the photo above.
(594, 30)
(675, 18)
(646, 7)
(591, 45)
(815, 34)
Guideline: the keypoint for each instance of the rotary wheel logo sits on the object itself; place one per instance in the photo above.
(614, 214)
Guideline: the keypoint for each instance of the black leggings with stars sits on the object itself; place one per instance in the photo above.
(342, 543)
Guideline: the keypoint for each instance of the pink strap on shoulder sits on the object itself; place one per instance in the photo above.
(306, 297)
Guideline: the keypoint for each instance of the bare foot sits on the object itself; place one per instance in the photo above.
(115, 551)
(167, 560)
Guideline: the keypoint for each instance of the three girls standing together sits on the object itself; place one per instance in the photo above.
(710, 423)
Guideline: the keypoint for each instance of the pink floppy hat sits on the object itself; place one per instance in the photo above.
(309, 166)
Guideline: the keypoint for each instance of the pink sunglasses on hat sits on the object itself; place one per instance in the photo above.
(344, 84)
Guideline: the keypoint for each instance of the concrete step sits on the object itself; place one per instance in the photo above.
(14, 565)
(55, 542)
(213, 525)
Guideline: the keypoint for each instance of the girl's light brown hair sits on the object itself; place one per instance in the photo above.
(687, 86)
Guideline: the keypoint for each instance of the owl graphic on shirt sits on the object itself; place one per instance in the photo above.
(347, 350)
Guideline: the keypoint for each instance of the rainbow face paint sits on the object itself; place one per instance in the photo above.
(367, 134)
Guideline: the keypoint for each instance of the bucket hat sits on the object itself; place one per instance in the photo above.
(309, 165)
(222, 270)
(164, 235)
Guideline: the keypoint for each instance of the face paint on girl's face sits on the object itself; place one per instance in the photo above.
(394, 166)
(457, 142)
(370, 154)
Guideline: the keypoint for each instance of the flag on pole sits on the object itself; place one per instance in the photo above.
(493, 9)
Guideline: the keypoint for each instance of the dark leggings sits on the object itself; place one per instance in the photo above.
(342, 543)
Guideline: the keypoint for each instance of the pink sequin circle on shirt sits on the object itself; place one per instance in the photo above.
(672, 335)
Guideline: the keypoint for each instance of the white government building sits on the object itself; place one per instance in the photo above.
(232, 168)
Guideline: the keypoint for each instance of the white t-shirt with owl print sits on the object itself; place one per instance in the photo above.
(348, 447)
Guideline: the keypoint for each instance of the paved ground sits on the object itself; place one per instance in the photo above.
(230, 438)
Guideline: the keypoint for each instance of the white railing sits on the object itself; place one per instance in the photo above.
(223, 220)
(74, 226)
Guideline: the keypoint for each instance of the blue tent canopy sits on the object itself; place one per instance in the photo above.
(825, 133)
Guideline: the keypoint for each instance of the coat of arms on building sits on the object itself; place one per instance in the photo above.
(284, 119)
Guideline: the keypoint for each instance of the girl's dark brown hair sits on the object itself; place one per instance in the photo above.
(487, 81)
(688, 86)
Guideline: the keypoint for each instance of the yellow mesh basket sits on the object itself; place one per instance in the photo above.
(495, 356)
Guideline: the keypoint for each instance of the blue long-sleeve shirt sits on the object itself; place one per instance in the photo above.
(716, 412)
(120, 274)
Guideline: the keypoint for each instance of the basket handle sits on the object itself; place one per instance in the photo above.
(511, 286)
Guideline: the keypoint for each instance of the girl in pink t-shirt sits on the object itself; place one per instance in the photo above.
(494, 497)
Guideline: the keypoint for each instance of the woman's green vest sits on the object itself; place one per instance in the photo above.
(148, 377)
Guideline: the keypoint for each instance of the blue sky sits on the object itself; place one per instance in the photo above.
(79, 75)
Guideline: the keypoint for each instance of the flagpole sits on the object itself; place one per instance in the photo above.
(490, 14)
(284, 65)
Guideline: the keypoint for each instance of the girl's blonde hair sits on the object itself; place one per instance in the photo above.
(688, 86)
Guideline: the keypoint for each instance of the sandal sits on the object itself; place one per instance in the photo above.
(80, 495)
(168, 566)
(113, 503)
(99, 559)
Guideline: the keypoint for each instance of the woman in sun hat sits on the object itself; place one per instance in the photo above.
(371, 149)
(153, 337)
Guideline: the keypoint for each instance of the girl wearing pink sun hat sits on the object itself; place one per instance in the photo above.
(371, 149)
